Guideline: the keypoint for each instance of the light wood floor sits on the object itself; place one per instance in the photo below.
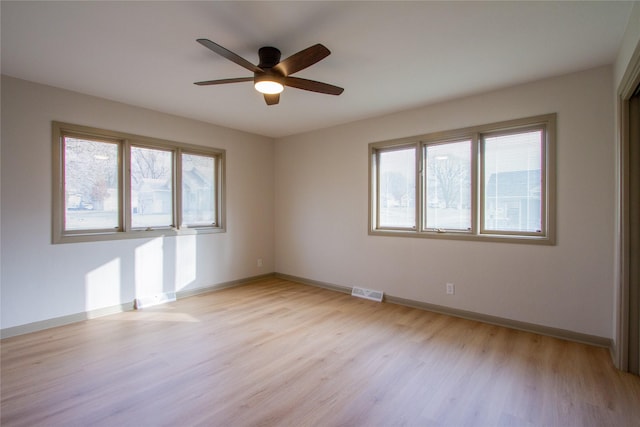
(280, 353)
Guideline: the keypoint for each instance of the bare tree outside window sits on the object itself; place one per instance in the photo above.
(448, 185)
(91, 184)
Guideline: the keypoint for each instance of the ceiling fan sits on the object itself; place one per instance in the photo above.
(271, 75)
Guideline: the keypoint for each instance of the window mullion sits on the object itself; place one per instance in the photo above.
(475, 184)
(420, 187)
(544, 199)
(177, 189)
(482, 190)
(125, 173)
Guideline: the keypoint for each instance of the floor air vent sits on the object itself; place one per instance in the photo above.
(367, 294)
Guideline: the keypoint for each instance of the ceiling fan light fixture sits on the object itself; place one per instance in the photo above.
(271, 75)
(269, 87)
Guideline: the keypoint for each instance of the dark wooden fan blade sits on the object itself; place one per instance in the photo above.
(272, 99)
(301, 60)
(313, 86)
(229, 55)
(224, 81)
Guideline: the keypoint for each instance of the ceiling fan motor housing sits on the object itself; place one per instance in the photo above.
(269, 57)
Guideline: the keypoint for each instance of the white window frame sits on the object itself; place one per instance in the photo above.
(477, 231)
(125, 141)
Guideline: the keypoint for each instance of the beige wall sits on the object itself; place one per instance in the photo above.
(321, 212)
(313, 188)
(43, 281)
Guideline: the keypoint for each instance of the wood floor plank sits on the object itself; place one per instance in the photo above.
(278, 353)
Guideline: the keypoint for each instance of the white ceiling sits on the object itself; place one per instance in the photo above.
(389, 56)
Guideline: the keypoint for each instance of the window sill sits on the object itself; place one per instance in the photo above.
(134, 234)
(466, 236)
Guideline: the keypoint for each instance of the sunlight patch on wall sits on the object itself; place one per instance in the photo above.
(102, 286)
(185, 261)
(149, 262)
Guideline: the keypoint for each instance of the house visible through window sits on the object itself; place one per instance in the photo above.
(490, 182)
(198, 190)
(109, 185)
(512, 166)
(151, 187)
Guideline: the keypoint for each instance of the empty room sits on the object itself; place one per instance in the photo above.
(320, 213)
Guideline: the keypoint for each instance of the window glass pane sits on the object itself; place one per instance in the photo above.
(90, 184)
(448, 186)
(513, 182)
(397, 188)
(198, 190)
(151, 187)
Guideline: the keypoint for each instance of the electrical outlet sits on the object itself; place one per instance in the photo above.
(259, 262)
(451, 289)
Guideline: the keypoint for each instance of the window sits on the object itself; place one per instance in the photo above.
(151, 195)
(110, 185)
(198, 190)
(492, 182)
(512, 182)
(398, 188)
(448, 186)
(92, 183)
